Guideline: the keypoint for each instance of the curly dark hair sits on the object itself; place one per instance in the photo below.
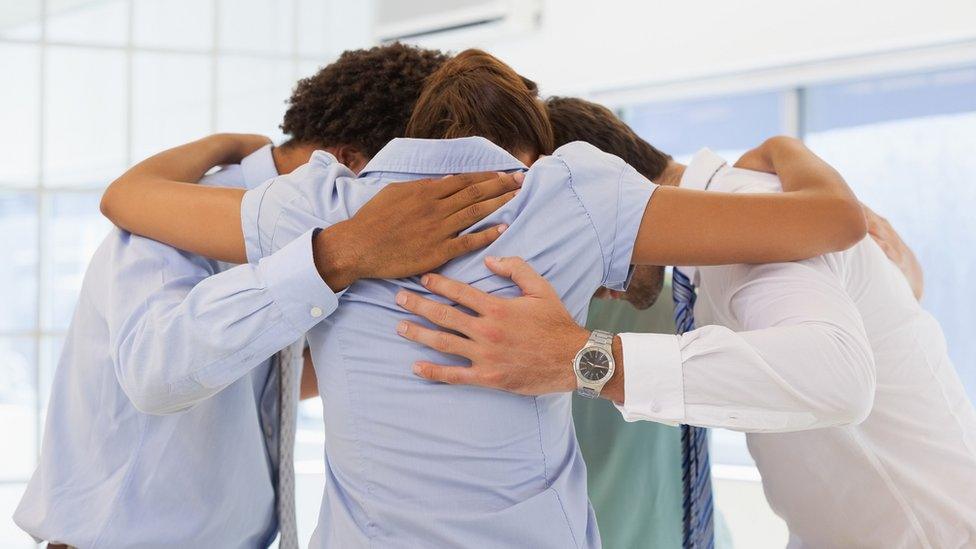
(363, 99)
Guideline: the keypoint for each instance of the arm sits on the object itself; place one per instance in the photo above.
(158, 197)
(815, 214)
(803, 361)
(406, 229)
(179, 335)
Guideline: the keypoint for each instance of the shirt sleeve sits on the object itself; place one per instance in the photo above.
(614, 196)
(802, 360)
(285, 207)
(179, 335)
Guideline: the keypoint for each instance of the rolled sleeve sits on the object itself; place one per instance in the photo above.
(301, 295)
(250, 216)
(653, 385)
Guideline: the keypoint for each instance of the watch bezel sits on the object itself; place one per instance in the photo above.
(583, 380)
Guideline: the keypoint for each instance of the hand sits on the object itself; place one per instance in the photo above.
(411, 228)
(897, 251)
(523, 345)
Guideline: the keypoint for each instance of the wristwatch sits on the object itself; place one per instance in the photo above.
(594, 364)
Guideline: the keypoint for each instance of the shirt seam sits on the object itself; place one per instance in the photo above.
(589, 218)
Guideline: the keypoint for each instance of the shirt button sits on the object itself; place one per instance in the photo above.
(316, 312)
(268, 432)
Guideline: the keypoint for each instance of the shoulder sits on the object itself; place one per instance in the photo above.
(230, 175)
(584, 158)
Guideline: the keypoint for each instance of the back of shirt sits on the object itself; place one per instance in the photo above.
(912, 461)
(417, 464)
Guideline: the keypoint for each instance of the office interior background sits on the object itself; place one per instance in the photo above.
(884, 90)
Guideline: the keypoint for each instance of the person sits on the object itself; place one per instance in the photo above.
(414, 464)
(872, 457)
(163, 423)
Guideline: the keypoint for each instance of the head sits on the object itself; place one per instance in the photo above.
(475, 94)
(357, 104)
(578, 120)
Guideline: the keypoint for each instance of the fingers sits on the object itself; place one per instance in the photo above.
(484, 188)
(468, 216)
(440, 314)
(450, 185)
(467, 243)
(522, 274)
(444, 342)
(455, 375)
(458, 292)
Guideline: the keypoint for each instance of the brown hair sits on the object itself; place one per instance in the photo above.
(578, 120)
(363, 99)
(476, 94)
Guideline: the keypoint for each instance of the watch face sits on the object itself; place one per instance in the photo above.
(594, 365)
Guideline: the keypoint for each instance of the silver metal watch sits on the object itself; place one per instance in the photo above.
(594, 364)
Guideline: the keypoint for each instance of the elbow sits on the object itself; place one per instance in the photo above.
(107, 204)
(851, 225)
(855, 406)
(148, 393)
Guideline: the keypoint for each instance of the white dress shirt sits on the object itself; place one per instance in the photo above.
(853, 451)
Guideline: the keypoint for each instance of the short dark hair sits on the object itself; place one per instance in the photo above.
(363, 99)
(476, 94)
(579, 120)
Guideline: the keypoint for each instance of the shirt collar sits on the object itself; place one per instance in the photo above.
(442, 157)
(700, 171)
(258, 167)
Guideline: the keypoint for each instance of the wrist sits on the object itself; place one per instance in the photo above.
(614, 389)
(332, 251)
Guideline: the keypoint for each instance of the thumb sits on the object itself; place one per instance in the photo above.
(522, 274)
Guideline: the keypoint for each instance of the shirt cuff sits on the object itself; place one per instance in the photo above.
(298, 290)
(250, 215)
(653, 383)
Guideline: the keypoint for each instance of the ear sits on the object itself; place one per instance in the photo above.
(351, 157)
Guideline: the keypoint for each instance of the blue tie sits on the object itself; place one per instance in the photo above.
(698, 529)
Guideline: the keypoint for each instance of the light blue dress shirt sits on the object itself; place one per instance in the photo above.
(154, 333)
(414, 464)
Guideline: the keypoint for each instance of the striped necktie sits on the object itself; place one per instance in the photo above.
(698, 527)
(289, 365)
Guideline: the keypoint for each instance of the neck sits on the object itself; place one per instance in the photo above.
(290, 156)
(671, 176)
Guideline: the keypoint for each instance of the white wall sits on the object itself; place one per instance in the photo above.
(585, 46)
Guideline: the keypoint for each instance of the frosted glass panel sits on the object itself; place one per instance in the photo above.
(181, 24)
(170, 102)
(251, 94)
(18, 270)
(264, 26)
(85, 123)
(88, 22)
(20, 19)
(20, 108)
(18, 407)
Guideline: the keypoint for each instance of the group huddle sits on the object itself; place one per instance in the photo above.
(447, 396)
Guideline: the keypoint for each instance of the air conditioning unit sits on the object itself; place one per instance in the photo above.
(427, 21)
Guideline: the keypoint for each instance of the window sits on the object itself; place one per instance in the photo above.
(99, 86)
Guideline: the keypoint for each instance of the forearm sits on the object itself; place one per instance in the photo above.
(192, 337)
(158, 198)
